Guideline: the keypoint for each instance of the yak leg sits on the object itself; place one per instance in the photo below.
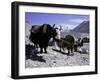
(75, 48)
(60, 49)
(41, 49)
(72, 51)
(45, 49)
(36, 46)
(63, 49)
(61, 46)
(68, 51)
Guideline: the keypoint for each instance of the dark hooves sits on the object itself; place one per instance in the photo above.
(70, 54)
(45, 52)
(41, 51)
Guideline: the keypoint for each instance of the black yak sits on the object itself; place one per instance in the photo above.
(78, 44)
(67, 42)
(40, 35)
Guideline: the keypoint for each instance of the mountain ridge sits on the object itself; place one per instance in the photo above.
(82, 28)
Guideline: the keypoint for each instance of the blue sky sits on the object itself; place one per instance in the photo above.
(69, 21)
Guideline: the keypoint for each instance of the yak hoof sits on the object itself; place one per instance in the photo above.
(45, 52)
(68, 54)
(41, 51)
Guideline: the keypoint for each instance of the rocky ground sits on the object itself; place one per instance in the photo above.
(57, 59)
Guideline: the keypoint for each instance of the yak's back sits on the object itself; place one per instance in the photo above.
(70, 39)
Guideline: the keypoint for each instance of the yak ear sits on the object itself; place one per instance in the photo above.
(53, 25)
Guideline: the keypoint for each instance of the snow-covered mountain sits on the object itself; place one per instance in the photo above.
(82, 28)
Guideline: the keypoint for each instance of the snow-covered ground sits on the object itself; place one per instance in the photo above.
(57, 59)
(54, 58)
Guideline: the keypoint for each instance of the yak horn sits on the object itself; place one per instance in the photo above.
(53, 25)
